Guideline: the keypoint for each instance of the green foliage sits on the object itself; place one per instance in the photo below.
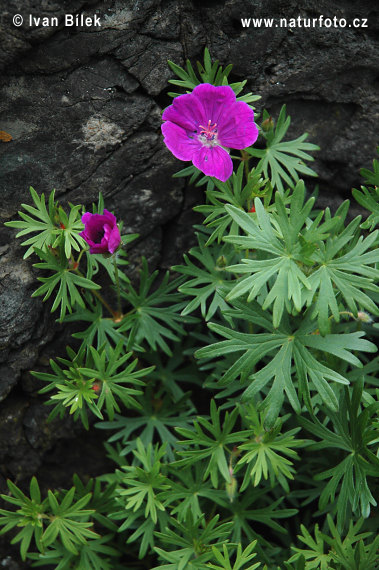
(93, 380)
(246, 519)
(97, 261)
(157, 417)
(235, 193)
(95, 555)
(303, 264)
(210, 282)
(143, 482)
(195, 539)
(65, 278)
(286, 254)
(242, 558)
(266, 451)
(175, 372)
(102, 331)
(47, 521)
(188, 490)
(349, 275)
(139, 496)
(352, 433)
(207, 73)
(29, 516)
(368, 196)
(283, 161)
(211, 447)
(351, 553)
(292, 348)
(155, 315)
(52, 226)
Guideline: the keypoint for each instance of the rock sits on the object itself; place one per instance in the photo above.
(20, 318)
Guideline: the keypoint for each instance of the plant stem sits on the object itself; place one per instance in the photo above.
(245, 159)
(118, 289)
(100, 298)
(104, 302)
(80, 256)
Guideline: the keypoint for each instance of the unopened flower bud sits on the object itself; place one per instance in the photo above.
(96, 386)
(235, 452)
(231, 488)
(221, 262)
(73, 264)
(53, 250)
(268, 124)
(364, 317)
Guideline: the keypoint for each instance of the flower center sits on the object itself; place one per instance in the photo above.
(209, 132)
(98, 235)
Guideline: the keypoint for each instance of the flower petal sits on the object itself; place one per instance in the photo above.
(86, 217)
(114, 239)
(186, 111)
(101, 232)
(236, 128)
(179, 141)
(110, 218)
(214, 161)
(215, 100)
(98, 248)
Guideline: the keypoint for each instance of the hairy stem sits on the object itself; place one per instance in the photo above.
(118, 290)
(100, 298)
(245, 160)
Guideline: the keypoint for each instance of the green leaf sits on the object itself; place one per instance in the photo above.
(348, 273)
(207, 72)
(155, 316)
(207, 282)
(233, 192)
(65, 279)
(51, 225)
(199, 445)
(291, 347)
(282, 162)
(264, 451)
(194, 539)
(351, 432)
(241, 559)
(30, 516)
(144, 485)
(285, 255)
(92, 380)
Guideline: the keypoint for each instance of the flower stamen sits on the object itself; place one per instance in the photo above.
(209, 131)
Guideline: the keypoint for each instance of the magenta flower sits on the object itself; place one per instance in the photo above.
(201, 126)
(101, 232)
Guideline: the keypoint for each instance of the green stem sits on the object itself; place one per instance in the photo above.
(118, 289)
(245, 159)
(80, 256)
(99, 297)
(104, 302)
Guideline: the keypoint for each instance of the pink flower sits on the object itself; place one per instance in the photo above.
(201, 126)
(101, 232)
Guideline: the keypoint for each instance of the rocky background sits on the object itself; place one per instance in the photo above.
(83, 108)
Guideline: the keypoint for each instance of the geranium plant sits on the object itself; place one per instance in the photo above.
(240, 392)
